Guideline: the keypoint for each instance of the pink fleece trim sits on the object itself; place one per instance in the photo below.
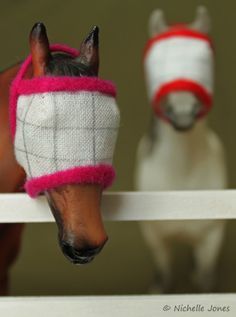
(65, 83)
(98, 174)
(21, 86)
(20, 75)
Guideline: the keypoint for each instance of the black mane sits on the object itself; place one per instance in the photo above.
(64, 65)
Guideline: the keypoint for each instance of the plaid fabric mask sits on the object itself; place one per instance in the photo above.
(64, 129)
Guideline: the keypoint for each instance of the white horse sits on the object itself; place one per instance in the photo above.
(171, 159)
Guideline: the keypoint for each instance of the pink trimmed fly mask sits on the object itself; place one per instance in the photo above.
(64, 128)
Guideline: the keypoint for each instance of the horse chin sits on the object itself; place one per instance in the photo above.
(180, 128)
(76, 209)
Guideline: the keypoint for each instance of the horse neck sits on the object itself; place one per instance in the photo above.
(12, 175)
(189, 144)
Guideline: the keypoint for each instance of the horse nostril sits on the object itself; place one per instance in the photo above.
(89, 252)
(79, 256)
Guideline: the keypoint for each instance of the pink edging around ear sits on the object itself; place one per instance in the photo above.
(20, 75)
(177, 31)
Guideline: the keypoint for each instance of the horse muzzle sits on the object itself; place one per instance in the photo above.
(80, 256)
(76, 209)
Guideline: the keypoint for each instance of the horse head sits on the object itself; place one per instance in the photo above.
(179, 69)
(75, 205)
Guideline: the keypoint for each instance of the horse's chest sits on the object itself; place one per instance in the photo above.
(170, 171)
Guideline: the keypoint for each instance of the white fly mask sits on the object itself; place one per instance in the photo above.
(179, 59)
(64, 129)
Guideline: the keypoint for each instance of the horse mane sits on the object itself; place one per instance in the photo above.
(62, 64)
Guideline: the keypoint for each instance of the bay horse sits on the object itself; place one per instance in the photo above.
(76, 207)
(181, 152)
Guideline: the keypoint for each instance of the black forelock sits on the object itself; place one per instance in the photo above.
(62, 64)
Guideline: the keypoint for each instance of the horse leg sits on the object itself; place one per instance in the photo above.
(206, 254)
(10, 240)
(161, 255)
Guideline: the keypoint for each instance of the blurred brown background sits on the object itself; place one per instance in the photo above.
(125, 266)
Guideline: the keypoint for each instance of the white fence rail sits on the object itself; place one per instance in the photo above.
(120, 306)
(126, 206)
(132, 206)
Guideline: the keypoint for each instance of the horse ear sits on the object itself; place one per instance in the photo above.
(39, 47)
(89, 51)
(157, 23)
(202, 21)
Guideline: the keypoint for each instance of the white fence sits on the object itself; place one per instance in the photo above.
(126, 206)
(120, 306)
(135, 206)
